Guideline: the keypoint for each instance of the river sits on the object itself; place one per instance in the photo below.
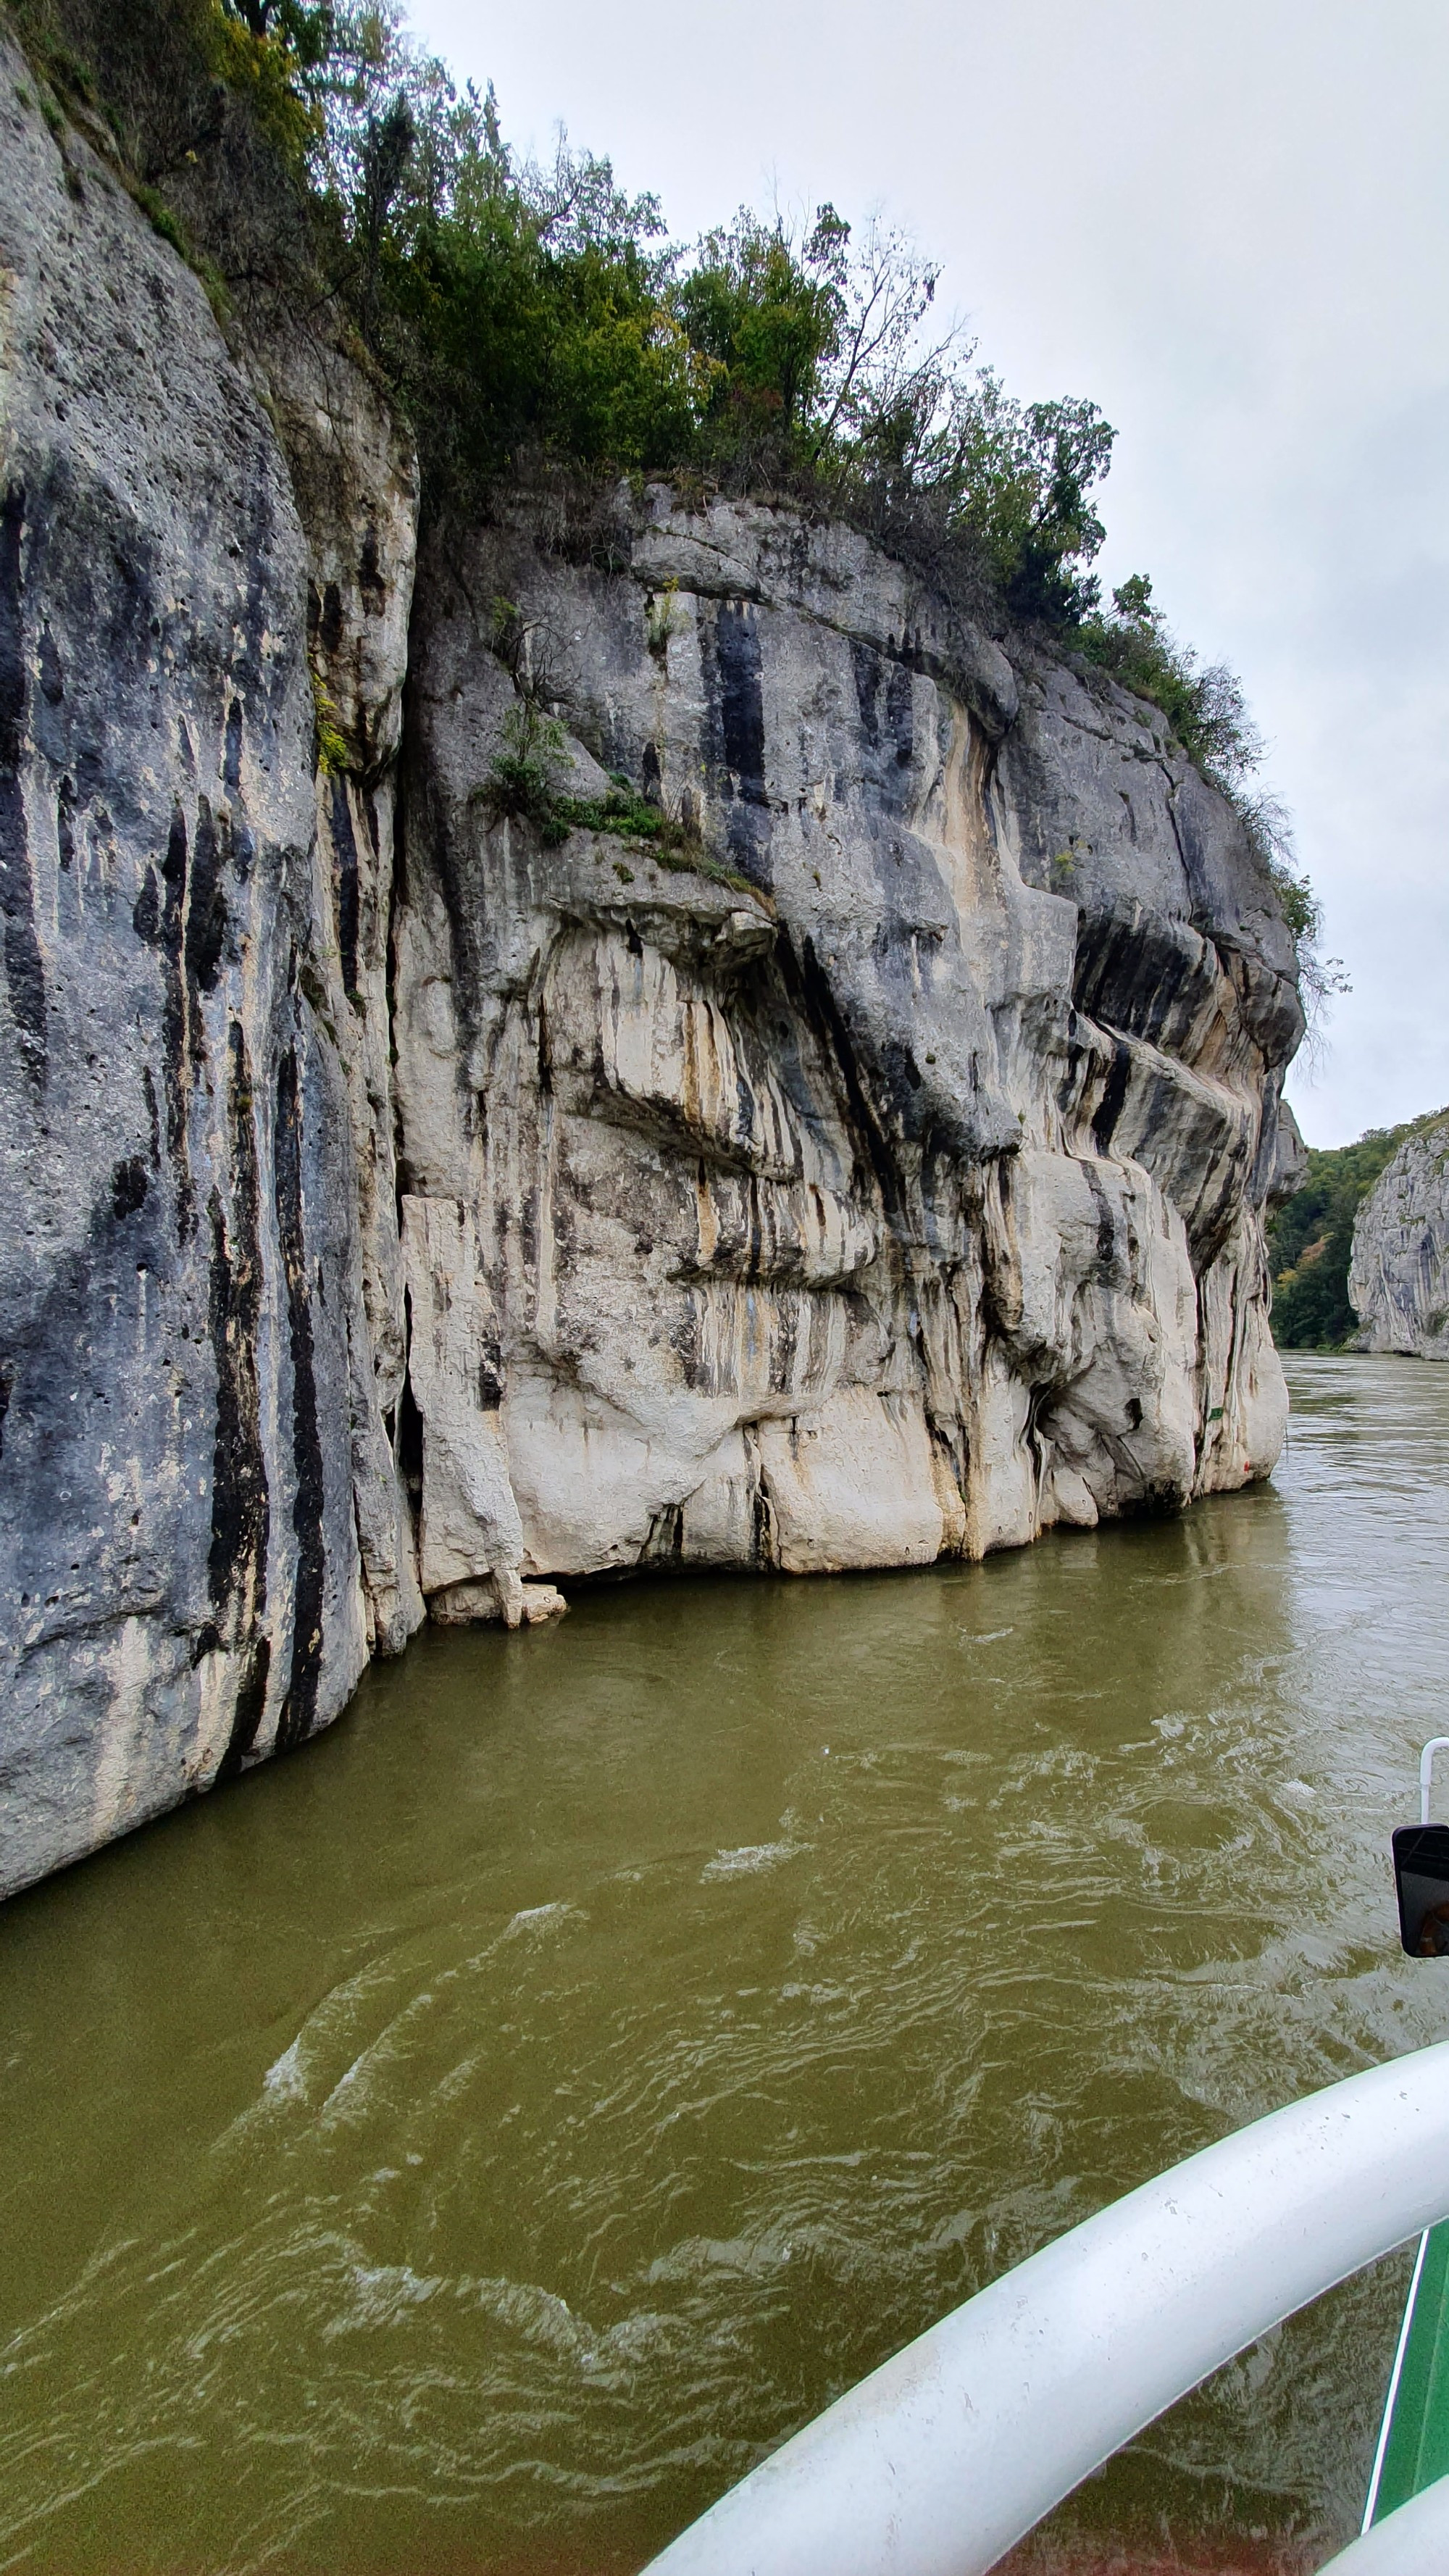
(464, 2145)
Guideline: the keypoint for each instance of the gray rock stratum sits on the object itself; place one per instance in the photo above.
(1398, 1280)
(408, 1207)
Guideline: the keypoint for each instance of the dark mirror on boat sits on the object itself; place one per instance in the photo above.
(1421, 1874)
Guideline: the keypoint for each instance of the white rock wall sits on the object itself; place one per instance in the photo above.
(890, 1184)
(1398, 1280)
(201, 1529)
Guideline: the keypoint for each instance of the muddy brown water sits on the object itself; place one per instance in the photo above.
(468, 2144)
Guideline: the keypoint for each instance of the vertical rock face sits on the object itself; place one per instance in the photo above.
(1398, 1279)
(883, 1177)
(186, 1381)
(408, 1203)
(354, 478)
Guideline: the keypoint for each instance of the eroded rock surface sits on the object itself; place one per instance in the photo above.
(191, 1434)
(408, 1206)
(1398, 1280)
(888, 1184)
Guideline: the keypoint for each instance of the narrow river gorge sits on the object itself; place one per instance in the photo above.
(468, 2144)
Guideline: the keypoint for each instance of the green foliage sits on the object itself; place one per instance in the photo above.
(1311, 1238)
(331, 744)
(764, 318)
(270, 59)
(629, 817)
(211, 128)
(820, 386)
(1300, 906)
(1204, 704)
(523, 784)
(311, 161)
(1020, 476)
(660, 619)
(161, 219)
(1206, 709)
(522, 780)
(316, 158)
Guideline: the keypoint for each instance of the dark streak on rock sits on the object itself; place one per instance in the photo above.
(206, 919)
(52, 673)
(865, 663)
(65, 823)
(1107, 1265)
(153, 1114)
(240, 1509)
(735, 733)
(490, 1374)
(24, 971)
(409, 1446)
(815, 991)
(742, 706)
(889, 745)
(1109, 1107)
(167, 935)
(129, 1184)
(370, 577)
(299, 1709)
(344, 845)
(901, 715)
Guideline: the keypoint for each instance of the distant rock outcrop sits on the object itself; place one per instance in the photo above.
(1399, 1274)
(420, 1189)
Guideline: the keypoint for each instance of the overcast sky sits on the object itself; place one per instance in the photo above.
(1228, 225)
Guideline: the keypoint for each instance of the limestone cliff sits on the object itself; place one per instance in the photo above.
(409, 1204)
(1398, 1278)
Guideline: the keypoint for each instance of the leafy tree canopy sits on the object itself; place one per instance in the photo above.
(310, 157)
(519, 310)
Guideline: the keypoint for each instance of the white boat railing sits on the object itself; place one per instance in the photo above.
(1414, 2541)
(948, 2454)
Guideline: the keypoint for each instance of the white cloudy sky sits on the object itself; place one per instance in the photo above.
(1227, 223)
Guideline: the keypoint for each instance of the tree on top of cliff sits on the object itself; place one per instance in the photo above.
(313, 161)
(319, 165)
(532, 311)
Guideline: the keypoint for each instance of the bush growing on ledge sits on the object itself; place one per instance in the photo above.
(523, 783)
(522, 779)
(1205, 706)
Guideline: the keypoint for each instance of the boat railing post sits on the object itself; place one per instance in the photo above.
(1436, 1744)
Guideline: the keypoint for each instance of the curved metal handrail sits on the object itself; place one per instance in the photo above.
(945, 2456)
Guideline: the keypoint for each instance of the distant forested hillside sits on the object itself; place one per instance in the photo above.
(1310, 1239)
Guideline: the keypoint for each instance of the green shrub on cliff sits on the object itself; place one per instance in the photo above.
(313, 163)
(1203, 703)
(1206, 708)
